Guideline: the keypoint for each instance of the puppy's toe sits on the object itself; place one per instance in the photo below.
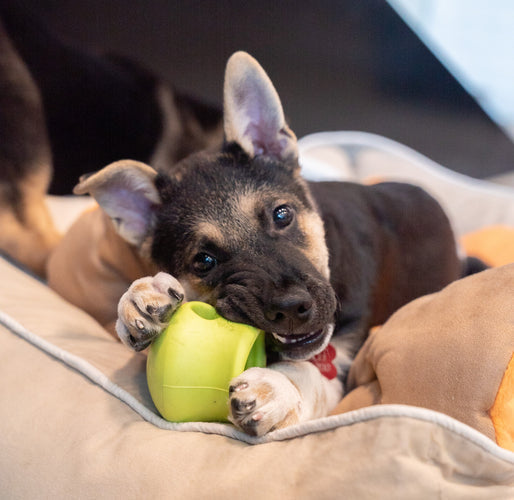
(166, 284)
(262, 400)
(135, 336)
(157, 297)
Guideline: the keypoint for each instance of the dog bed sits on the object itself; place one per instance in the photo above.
(77, 421)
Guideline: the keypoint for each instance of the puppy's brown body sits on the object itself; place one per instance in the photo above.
(383, 251)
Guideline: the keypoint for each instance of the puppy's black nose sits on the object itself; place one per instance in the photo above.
(291, 309)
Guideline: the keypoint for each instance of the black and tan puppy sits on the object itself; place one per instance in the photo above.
(309, 263)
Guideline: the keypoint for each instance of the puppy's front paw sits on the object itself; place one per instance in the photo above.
(262, 400)
(145, 309)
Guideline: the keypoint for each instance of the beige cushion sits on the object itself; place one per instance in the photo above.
(64, 435)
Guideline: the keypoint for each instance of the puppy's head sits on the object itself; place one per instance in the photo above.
(238, 228)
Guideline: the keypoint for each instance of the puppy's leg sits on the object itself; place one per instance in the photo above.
(286, 393)
(145, 309)
(28, 233)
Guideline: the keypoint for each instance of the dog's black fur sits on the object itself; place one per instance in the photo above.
(261, 275)
(388, 244)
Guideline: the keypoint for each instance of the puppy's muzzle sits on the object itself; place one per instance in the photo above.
(298, 316)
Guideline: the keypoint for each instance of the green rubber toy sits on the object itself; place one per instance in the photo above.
(190, 365)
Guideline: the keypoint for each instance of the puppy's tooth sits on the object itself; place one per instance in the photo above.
(140, 325)
(257, 416)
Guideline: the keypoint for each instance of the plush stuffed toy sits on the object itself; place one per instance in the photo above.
(451, 351)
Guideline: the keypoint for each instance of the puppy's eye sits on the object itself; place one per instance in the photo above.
(203, 263)
(283, 216)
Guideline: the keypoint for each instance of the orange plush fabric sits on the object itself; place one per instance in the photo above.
(502, 412)
(494, 244)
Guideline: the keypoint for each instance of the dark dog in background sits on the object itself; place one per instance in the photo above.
(64, 112)
(309, 263)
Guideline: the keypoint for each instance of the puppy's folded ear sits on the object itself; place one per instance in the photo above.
(253, 115)
(126, 192)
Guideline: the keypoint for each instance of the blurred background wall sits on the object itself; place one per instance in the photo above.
(337, 65)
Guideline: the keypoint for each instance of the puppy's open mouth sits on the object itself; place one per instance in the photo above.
(301, 346)
(298, 339)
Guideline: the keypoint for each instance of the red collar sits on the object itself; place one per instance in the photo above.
(323, 361)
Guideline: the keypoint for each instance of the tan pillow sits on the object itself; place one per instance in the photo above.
(449, 352)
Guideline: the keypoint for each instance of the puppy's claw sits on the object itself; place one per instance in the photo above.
(176, 295)
(239, 387)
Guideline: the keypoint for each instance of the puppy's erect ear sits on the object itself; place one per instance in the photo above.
(127, 193)
(253, 115)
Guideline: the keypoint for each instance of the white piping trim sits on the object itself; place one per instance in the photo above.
(373, 141)
(312, 426)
